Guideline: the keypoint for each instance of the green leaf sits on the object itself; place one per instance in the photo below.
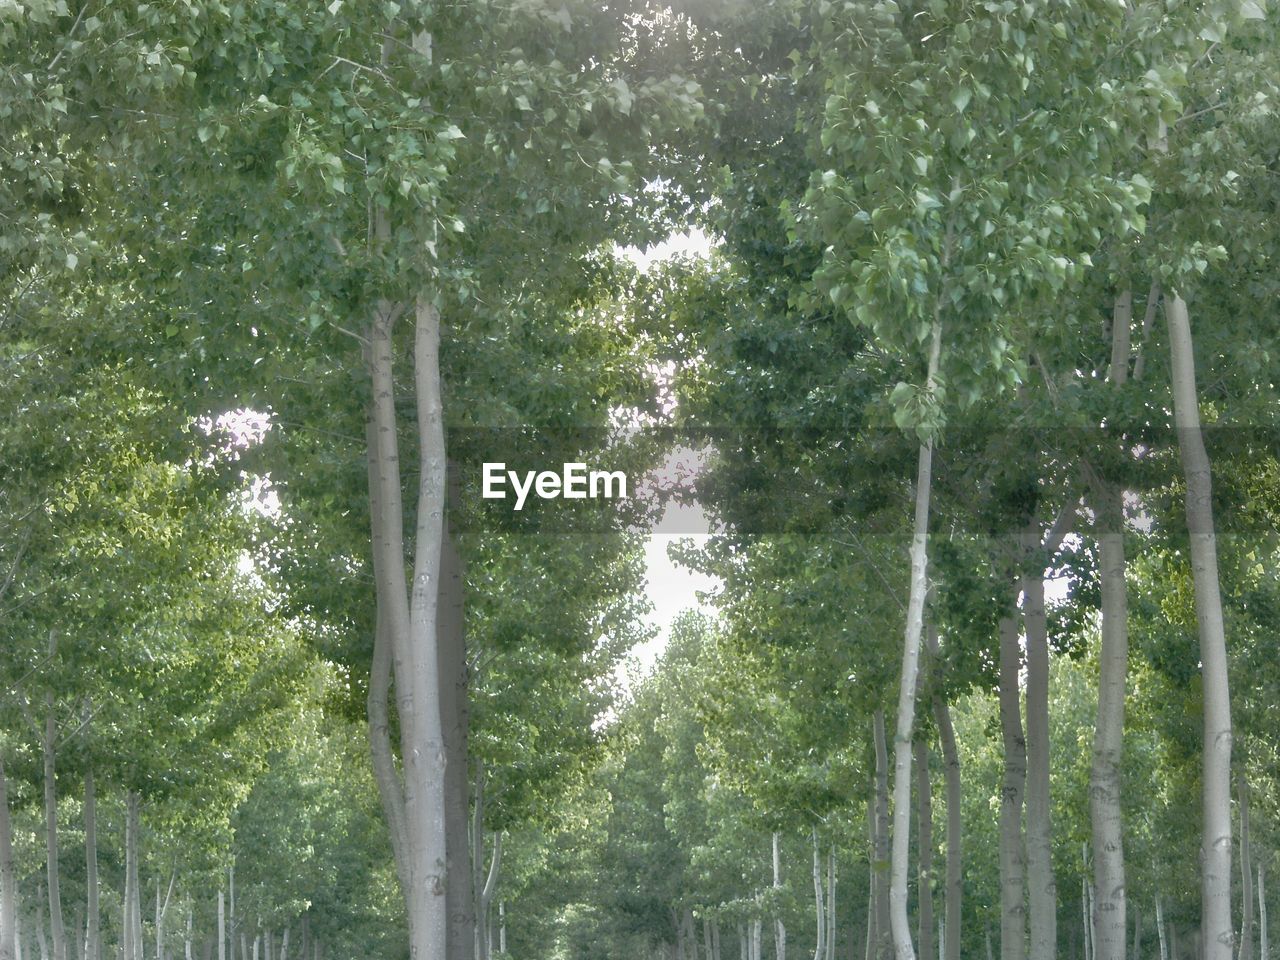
(960, 98)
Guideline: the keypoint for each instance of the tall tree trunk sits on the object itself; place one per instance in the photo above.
(779, 928)
(757, 937)
(1109, 924)
(1264, 945)
(222, 926)
(884, 936)
(93, 912)
(1215, 846)
(42, 941)
(924, 854)
(1160, 929)
(953, 887)
(451, 627)
(8, 877)
(186, 940)
(132, 906)
(1013, 920)
(900, 866)
(1246, 869)
(831, 905)
(820, 924)
(57, 928)
(1109, 917)
(872, 878)
(486, 895)
(411, 616)
(1137, 932)
(1042, 888)
(162, 911)
(502, 930)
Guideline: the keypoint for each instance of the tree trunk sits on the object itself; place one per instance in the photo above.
(1041, 885)
(57, 928)
(93, 912)
(1215, 848)
(820, 937)
(1086, 908)
(779, 929)
(1264, 946)
(1013, 920)
(162, 911)
(1160, 930)
(486, 896)
(884, 936)
(1246, 869)
(186, 941)
(222, 926)
(757, 937)
(924, 854)
(831, 906)
(502, 930)
(1109, 917)
(953, 895)
(872, 939)
(900, 866)
(451, 627)
(8, 889)
(411, 616)
(1109, 924)
(132, 906)
(1137, 932)
(42, 941)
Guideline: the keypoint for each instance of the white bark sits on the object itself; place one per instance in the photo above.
(1264, 946)
(820, 918)
(1246, 869)
(8, 890)
(222, 926)
(411, 617)
(779, 929)
(1160, 931)
(924, 852)
(883, 943)
(57, 927)
(93, 913)
(1013, 919)
(1041, 885)
(831, 907)
(899, 865)
(1215, 847)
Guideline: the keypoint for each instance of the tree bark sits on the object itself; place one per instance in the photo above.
(1264, 945)
(1041, 885)
(162, 911)
(953, 895)
(899, 867)
(779, 928)
(1215, 849)
(1013, 920)
(883, 935)
(1246, 869)
(1160, 930)
(57, 927)
(924, 854)
(486, 896)
(93, 912)
(411, 616)
(222, 926)
(451, 619)
(831, 906)
(1137, 932)
(820, 918)
(8, 889)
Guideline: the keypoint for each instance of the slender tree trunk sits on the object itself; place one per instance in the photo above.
(779, 929)
(924, 854)
(222, 926)
(1215, 849)
(486, 894)
(899, 867)
(884, 936)
(1013, 920)
(831, 904)
(186, 941)
(133, 894)
(1041, 885)
(706, 938)
(715, 940)
(42, 941)
(93, 912)
(744, 947)
(820, 937)
(1246, 869)
(1160, 929)
(1264, 946)
(162, 911)
(451, 627)
(1137, 932)
(8, 888)
(870, 951)
(57, 928)
(502, 929)
(757, 937)
(411, 616)
(1109, 918)
(1086, 908)
(953, 887)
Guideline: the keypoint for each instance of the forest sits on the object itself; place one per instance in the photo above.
(974, 342)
